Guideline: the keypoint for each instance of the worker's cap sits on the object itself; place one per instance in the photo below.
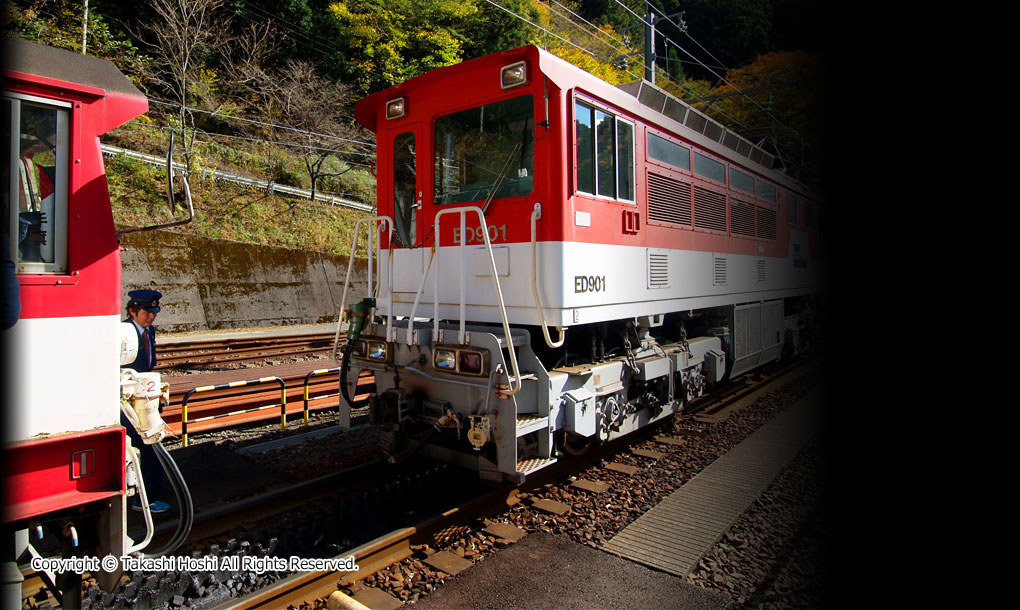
(146, 299)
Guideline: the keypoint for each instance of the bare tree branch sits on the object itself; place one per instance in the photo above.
(183, 35)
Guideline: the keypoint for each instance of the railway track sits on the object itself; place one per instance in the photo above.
(310, 589)
(308, 385)
(199, 354)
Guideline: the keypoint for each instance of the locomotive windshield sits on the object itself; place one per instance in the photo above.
(485, 151)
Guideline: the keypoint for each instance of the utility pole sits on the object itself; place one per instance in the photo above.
(84, 27)
(650, 47)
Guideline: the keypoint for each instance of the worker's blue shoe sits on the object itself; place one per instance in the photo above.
(155, 507)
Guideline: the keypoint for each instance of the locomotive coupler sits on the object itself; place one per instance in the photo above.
(449, 420)
(480, 431)
(142, 396)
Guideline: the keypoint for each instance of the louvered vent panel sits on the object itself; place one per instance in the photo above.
(675, 110)
(719, 270)
(761, 271)
(754, 330)
(740, 323)
(669, 200)
(766, 223)
(709, 209)
(658, 269)
(741, 218)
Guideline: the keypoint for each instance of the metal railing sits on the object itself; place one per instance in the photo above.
(307, 389)
(225, 386)
(272, 188)
(381, 222)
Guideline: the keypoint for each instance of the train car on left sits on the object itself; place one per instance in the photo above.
(68, 466)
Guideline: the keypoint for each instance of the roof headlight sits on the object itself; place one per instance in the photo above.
(514, 75)
(396, 109)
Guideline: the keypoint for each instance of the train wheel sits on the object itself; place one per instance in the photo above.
(575, 444)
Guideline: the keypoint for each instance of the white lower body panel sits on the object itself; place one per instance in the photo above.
(63, 375)
(584, 283)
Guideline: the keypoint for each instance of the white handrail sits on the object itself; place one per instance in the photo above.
(515, 382)
(417, 296)
(383, 221)
(535, 215)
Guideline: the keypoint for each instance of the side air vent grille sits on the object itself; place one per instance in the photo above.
(741, 218)
(669, 200)
(658, 269)
(653, 98)
(709, 209)
(718, 270)
(761, 270)
(766, 223)
(675, 110)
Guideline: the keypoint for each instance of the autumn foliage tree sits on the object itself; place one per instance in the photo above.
(776, 101)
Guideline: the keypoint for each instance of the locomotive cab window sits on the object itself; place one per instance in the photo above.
(485, 151)
(35, 182)
(605, 153)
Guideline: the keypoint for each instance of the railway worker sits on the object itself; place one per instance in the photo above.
(142, 309)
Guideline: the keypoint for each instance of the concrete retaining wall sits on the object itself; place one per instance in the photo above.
(213, 284)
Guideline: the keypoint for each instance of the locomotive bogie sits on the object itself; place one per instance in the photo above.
(425, 403)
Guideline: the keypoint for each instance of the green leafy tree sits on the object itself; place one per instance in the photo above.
(492, 30)
(58, 23)
(389, 41)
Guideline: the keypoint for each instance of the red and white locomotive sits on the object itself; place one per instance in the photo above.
(517, 193)
(68, 466)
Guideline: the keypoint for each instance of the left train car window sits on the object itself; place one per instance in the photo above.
(605, 153)
(483, 149)
(585, 149)
(625, 160)
(36, 183)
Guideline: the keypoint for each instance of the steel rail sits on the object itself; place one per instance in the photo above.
(304, 588)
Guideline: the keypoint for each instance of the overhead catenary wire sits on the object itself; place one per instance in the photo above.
(263, 141)
(778, 123)
(701, 63)
(624, 69)
(263, 123)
